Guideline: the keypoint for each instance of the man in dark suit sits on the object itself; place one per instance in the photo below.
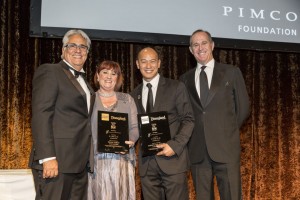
(61, 105)
(164, 174)
(220, 104)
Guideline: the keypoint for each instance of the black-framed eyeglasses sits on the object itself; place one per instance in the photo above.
(74, 47)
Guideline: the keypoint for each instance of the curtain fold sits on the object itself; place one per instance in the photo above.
(270, 138)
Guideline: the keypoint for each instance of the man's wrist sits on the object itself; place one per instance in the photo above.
(46, 159)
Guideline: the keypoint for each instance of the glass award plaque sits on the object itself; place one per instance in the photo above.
(112, 132)
(154, 129)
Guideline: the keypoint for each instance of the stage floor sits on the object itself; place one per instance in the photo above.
(16, 184)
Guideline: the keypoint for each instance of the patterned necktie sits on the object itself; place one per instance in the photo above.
(149, 107)
(203, 86)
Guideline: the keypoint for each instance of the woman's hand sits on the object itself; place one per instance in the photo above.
(130, 143)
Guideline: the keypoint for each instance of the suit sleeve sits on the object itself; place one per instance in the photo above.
(186, 119)
(133, 127)
(44, 93)
(241, 98)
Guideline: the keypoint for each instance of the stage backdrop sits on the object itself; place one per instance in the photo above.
(270, 138)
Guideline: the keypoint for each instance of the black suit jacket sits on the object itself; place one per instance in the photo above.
(60, 119)
(171, 96)
(217, 122)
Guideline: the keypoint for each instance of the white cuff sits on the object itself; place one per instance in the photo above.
(46, 159)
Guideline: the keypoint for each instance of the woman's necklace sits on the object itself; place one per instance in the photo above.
(111, 107)
(106, 95)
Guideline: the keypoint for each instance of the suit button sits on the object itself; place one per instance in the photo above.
(204, 113)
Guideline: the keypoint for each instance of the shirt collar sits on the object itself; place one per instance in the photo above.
(209, 65)
(73, 67)
(154, 81)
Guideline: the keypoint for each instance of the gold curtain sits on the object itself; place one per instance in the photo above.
(270, 138)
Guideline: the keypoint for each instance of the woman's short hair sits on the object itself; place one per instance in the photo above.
(109, 65)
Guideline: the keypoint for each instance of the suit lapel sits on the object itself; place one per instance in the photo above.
(139, 99)
(159, 93)
(93, 96)
(217, 78)
(76, 84)
(191, 84)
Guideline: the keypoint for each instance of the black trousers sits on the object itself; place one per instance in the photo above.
(228, 179)
(66, 186)
(156, 185)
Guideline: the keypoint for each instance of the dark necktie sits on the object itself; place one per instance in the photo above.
(203, 86)
(149, 107)
(77, 73)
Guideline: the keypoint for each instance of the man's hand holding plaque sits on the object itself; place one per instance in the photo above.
(112, 132)
(155, 132)
(165, 150)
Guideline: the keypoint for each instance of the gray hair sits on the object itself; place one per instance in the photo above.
(70, 33)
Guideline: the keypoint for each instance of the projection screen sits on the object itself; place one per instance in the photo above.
(257, 24)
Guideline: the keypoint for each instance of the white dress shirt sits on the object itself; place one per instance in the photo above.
(209, 73)
(154, 83)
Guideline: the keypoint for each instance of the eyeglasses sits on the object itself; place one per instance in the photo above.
(74, 47)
